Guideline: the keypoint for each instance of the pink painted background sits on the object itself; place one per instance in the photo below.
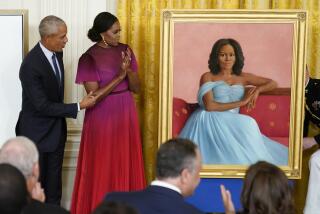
(267, 49)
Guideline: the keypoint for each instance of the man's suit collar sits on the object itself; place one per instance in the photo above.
(165, 184)
(45, 50)
(164, 191)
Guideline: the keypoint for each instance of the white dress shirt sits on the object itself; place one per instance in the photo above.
(48, 55)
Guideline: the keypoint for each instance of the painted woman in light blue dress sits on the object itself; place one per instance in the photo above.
(222, 134)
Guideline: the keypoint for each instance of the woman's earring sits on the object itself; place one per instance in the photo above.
(104, 41)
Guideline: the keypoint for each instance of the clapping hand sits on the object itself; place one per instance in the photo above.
(125, 64)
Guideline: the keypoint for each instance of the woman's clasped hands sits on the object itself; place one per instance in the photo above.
(250, 98)
(125, 64)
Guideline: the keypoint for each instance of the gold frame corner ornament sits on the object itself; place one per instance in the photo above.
(166, 14)
(302, 16)
(296, 17)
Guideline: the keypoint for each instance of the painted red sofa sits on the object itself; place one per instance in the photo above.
(272, 113)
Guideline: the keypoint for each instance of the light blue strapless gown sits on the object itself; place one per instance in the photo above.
(229, 137)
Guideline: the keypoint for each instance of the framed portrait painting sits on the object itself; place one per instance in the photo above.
(14, 43)
(273, 44)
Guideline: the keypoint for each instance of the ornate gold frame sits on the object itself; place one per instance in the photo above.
(24, 16)
(296, 17)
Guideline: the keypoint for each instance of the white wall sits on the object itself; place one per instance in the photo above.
(79, 16)
(12, 46)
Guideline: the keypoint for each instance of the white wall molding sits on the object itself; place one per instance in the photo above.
(79, 16)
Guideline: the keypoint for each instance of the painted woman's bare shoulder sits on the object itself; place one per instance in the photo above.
(206, 77)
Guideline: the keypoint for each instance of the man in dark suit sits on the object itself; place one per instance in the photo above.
(312, 110)
(28, 165)
(312, 114)
(42, 118)
(177, 170)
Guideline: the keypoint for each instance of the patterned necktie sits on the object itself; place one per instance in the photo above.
(56, 69)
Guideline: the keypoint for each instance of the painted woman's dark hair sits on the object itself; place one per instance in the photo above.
(213, 62)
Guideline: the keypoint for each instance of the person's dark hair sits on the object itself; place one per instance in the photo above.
(13, 190)
(106, 207)
(173, 156)
(213, 62)
(266, 190)
(102, 23)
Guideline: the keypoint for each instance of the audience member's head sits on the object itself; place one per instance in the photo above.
(23, 154)
(13, 190)
(114, 208)
(266, 190)
(179, 163)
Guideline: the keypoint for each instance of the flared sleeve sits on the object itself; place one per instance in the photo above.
(87, 70)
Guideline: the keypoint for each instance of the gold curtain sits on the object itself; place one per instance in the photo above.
(140, 21)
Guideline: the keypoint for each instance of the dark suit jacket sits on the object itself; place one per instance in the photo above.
(42, 118)
(37, 207)
(312, 113)
(155, 200)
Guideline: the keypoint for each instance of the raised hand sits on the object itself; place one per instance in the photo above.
(125, 64)
(227, 200)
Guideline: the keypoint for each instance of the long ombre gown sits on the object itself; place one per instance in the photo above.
(110, 157)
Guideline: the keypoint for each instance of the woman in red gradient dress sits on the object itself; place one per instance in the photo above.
(110, 157)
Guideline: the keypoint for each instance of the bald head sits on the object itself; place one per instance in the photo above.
(21, 153)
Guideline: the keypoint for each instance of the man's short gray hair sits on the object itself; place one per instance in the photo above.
(174, 156)
(21, 153)
(49, 25)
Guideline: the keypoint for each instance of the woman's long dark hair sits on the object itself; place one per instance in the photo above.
(213, 62)
(266, 190)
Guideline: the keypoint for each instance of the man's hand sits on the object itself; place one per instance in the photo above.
(37, 193)
(308, 142)
(88, 101)
(227, 200)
